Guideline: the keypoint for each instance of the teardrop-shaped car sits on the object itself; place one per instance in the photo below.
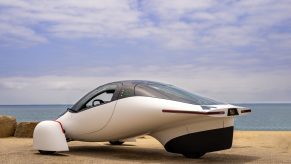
(182, 122)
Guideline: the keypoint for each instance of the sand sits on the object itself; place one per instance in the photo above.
(248, 147)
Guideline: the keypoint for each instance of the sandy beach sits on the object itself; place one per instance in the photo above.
(248, 147)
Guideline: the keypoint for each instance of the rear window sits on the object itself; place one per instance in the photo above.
(173, 93)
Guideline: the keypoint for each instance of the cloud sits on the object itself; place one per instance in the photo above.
(174, 10)
(15, 85)
(230, 50)
(177, 24)
(14, 34)
(66, 18)
(227, 24)
(221, 84)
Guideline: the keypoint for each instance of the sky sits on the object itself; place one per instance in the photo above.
(54, 52)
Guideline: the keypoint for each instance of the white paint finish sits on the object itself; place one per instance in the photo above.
(135, 116)
(88, 121)
(163, 136)
(228, 121)
(207, 124)
(48, 136)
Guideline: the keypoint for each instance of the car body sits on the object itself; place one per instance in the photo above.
(182, 122)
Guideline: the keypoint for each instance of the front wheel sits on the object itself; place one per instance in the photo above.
(194, 155)
(116, 142)
(46, 152)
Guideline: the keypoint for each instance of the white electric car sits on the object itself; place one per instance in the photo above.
(182, 122)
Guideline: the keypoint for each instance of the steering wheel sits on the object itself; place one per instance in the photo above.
(99, 100)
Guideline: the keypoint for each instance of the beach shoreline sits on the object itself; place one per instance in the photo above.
(248, 147)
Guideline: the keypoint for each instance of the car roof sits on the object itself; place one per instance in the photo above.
(135, 82)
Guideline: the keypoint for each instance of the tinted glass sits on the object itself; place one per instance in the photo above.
(98, 91)
(104, 97)
(173, 93)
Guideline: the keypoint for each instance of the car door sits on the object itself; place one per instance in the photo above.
(93, 112)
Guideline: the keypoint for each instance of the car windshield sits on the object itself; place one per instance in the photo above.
(178, 94)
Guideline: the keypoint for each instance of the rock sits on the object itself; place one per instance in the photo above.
(7, 126)
(25, 129)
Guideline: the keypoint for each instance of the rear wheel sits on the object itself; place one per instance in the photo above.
(46, 152)
(116, 142)
(194, 155)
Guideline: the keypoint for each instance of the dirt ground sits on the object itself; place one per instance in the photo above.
(248, 147)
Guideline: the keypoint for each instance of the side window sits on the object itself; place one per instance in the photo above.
(101, 98)
(98, 96)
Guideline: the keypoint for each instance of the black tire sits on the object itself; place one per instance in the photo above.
(46, 152)
(194, 155)
(116, 142)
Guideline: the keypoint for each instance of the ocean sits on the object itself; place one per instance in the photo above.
(264, 116)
